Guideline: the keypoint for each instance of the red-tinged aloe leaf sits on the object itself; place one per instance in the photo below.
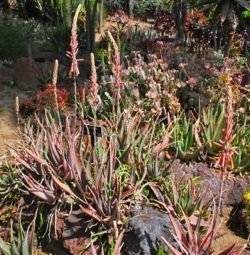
(171, 248)
(37, 158)
(178, 229)
(45, 195)
(164, 144)
(194, 220)
(91, 212)
(118, 244)
(175, 192)
(156, 192)
(30, 181)
(53, 149)
(208, 238)
(232, 251)
(39, 191)
(40, 139)
(98, 205)
(65, 187)
(117, 189)
(227, 250)
(93, 249)
(76, 163)
(130, 191)
(20, 160)
(191, 236)
(66, 169)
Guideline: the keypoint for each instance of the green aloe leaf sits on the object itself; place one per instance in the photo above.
(14, 249)
(4, 247)
(25, 245)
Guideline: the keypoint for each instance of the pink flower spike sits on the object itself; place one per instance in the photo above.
(72, 54)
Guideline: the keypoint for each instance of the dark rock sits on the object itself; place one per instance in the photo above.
(144, 232)
(234, 188)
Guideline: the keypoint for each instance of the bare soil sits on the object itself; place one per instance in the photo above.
(230, 234)
(8, 126)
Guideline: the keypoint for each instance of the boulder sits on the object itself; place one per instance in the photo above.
(144, 232)
(234, 187)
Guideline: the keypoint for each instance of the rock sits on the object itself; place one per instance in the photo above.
(71, 233)
(144, 232)
(210, 182)
(76, 245)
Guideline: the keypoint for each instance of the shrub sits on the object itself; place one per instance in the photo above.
(12, 42)
(45, 99)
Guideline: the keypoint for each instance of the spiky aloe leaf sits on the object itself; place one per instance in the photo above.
(4, 247)
(14, 249)
(118, 244)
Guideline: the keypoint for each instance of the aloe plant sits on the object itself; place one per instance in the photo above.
(212, 124)
(22, 247)
(184, 137)
(58, 164)
(189, 239)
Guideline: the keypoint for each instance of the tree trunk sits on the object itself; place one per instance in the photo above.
(91, 11)
(101, 17)
(230, 25)
(131, 8)
(179, 11)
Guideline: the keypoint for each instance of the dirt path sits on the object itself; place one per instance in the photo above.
(227, 237)
(8, 127)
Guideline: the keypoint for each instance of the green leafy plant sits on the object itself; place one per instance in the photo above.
(12, 42)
